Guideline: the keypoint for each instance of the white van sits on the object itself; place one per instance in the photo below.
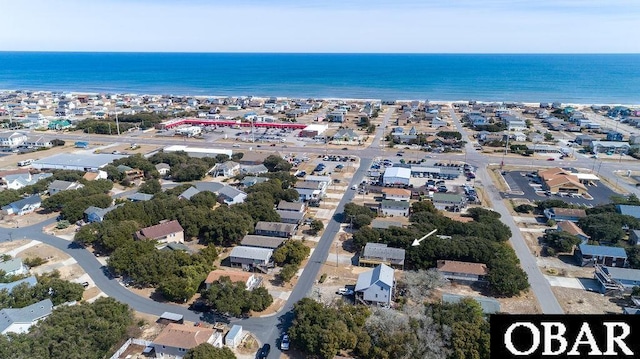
(24, 163)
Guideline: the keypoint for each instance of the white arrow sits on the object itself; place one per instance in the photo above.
(416, 242)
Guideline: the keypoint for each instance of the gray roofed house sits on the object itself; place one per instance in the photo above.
(346, 135)
(290, 216)
(188, 193)
(13, 266)
(609, 256)
(251, 180)
(226, 169)
(59, 186)
(30, 281)
(163, 169)
(616, 279)
(291, 206)
(242, 255)
(140, 197)
(23, 206)
(253, 169)
(447, 200)
(394, 208)
(18, 181)
(275, 229)
(96, 214)
(20, 320)
(252, 240)
(231, 195)
(380, 253)
(208, 186)
(376, 286)
(488, 305)
(383, 223)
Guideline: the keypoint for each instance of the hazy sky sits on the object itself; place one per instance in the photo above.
(423, 26)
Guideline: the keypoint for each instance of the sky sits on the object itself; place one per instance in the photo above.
(344, 26)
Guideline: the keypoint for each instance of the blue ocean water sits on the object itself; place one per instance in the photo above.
(527, 78)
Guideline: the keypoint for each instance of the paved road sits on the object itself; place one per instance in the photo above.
(539, 285)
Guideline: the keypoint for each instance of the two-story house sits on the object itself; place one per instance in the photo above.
(164, 232)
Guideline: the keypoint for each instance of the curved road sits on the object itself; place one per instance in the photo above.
(268, 329)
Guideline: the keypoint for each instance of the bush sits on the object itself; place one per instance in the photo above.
(323, 277)
(63, 224)
(524, 208)
(550, 251)
(551, 223)
(34, 261)
(287, 272)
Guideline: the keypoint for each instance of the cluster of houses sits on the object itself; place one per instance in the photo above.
(610, 263)
(19, 320)
(255, 250)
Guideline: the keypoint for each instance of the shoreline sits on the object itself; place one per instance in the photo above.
(346, 99)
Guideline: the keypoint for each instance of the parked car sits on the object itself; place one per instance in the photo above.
(264, 351)
(551, 159)
(284, 342)
(345, 291)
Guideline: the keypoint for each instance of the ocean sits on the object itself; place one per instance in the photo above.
(446, 77)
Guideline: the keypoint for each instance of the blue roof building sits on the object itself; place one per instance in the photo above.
(588, 255)
(629, 210)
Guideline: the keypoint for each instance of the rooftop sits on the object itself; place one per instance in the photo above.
(462, 267)
(183, 336)
(381, 273)
(380, 250)
(234, 275)
(27, 315)
(623, 273)
(160, 230)
(617, 252)
(275, 227)
(85, 160)
(251, 252)
(252, 240)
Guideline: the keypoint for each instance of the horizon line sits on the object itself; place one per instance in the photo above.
(308, 53)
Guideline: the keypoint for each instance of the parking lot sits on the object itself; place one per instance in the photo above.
(523, 186)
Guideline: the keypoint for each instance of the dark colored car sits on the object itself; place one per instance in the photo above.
(264, 351)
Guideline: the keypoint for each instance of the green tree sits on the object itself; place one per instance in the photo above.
(316, 226)
(234, 299)
(151, 186)
(292, 252)
(423, 206)
(561, 241)
(276, 164)
(287, 272)
(208, 351)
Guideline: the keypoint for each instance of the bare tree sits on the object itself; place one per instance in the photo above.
(420, 283)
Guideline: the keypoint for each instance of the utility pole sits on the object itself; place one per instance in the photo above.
(117, 124)
(337, 262)
(506, 147)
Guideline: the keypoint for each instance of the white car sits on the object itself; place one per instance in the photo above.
(345, 291)
(284, 342)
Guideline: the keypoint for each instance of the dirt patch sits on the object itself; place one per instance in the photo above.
(91, 293)
(11, 245)
(44, 251)
(578, 301)
(525, 303)
(26, 220)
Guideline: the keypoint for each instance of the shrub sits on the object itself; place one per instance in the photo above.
(524, 208)
(323, 277)
(34, 262)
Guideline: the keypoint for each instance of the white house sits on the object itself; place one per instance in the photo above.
(396, 194)
(10, 139)
(249, 279)
(163, 169)
(59, 186)
(20, 320)
(13, 266)
(176, 339)
(394, 208)
(226, 169)
(231, 195)
(376, 286)
(23, 206)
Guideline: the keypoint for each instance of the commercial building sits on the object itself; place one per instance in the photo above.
(198, 151)
(87, 162)
(396, 176)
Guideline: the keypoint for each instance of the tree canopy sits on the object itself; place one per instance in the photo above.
(82, 331)
(208, 351)
(234, 299)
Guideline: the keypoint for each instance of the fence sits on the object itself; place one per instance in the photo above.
(126, 344)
